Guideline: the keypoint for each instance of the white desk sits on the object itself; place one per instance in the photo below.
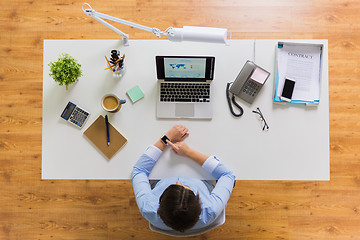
(295, 148)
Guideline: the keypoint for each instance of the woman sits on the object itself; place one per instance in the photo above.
(180, 203)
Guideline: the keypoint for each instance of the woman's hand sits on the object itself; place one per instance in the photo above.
(181, 148)
(177, 133)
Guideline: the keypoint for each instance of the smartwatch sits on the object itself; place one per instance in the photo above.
(163, 139)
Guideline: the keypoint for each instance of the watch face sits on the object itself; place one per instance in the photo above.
(164, 138)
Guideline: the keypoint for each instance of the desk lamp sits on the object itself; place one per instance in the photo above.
(187, 33)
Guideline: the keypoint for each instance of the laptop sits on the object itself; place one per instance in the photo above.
(184, 86)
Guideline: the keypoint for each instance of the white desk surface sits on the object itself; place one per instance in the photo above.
(295, 148)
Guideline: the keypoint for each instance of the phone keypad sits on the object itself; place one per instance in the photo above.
(251, 88)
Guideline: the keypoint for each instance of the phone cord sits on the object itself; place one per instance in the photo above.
(234, 102)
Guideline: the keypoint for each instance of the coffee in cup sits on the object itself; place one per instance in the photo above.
(111, 103)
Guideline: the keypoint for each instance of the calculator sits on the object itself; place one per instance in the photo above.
(75, 115)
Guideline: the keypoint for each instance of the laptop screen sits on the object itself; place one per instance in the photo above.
(193, 68)
(184, 67)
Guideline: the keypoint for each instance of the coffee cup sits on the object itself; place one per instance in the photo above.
(111, 103)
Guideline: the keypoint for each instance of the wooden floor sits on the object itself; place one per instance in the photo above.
(31, 208)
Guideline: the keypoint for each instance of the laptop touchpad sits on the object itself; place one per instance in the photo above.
(184, 110)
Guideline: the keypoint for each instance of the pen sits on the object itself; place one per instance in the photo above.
(107, 130)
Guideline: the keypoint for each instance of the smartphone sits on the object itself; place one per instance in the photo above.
(288, 89)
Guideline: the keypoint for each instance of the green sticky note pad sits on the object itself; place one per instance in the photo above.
(135, 94)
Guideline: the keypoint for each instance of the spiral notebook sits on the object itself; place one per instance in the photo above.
(96, 133)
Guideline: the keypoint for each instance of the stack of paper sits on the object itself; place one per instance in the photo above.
(301, 62)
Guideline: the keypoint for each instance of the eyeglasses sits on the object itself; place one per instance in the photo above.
(257, 111)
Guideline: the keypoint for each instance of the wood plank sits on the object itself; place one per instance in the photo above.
(32, 208)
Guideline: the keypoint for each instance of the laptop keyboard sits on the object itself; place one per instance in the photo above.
(185, 92)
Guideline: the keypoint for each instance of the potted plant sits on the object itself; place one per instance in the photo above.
(66, 70)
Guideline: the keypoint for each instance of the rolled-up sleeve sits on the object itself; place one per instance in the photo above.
(140, 174)
(224, 186)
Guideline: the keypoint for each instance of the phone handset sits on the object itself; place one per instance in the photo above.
(233, 101)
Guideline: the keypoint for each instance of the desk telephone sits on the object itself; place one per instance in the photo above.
(249, 82)
(246, 86)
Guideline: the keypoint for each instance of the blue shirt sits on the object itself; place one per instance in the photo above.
(212, 203)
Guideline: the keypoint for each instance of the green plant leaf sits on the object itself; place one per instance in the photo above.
(66, 70)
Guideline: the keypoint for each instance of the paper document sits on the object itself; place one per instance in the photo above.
(300, 62)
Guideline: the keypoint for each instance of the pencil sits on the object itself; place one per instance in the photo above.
(108, 63)
(109, 67)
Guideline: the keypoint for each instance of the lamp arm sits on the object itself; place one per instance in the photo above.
(100, 16)
(124, 35)
(187, 33)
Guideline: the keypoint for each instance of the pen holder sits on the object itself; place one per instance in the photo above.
(118, 73)
(116, 64)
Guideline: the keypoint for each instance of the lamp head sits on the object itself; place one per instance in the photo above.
(198, 34)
